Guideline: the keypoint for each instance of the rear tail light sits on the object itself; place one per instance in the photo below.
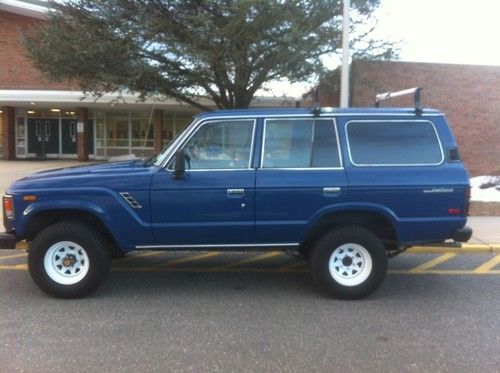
(8, 207)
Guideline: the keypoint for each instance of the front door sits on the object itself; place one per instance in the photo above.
(300, 177)
(214, 203)
(68, 136)
(43, 136)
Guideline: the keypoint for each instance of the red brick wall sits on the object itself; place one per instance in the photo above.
(16, 71)
(469, 95)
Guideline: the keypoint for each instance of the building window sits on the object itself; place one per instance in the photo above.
(120, 133)
(117, 130)
(21, 132)
(100, 138)
(173, 124)
(142, 130)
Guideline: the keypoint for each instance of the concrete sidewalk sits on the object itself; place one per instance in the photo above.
(11, 171)
(486, 228)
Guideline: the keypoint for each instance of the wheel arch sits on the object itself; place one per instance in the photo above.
(380, 223)
(44, 218)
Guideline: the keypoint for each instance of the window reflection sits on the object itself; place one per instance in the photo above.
(117, 131)
(142, 130)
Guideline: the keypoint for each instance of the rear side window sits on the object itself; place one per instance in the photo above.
(300, 143)
(393, 143)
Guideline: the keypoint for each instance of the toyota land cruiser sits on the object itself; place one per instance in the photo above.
(346, 188)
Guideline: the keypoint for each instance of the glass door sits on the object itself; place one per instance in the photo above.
(43, 137)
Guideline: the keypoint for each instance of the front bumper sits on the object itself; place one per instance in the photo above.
(7, 241)
(462, 234)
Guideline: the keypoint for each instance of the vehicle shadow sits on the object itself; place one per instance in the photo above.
(271, 285)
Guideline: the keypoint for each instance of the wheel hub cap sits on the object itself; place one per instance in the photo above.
(347, 261)
(69, 260)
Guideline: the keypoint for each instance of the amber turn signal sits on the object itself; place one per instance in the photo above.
(8, 207)
(29, 198)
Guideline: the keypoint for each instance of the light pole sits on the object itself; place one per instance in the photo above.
(344, 80)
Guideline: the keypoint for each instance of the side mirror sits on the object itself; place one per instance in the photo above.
(180, 164)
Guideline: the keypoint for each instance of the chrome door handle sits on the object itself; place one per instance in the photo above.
(236, 191)
(331, 190)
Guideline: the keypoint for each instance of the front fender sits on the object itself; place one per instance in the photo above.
(62, 204)
(127, 227)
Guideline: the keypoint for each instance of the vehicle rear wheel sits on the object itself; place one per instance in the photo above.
(349, 262)
(68, 260)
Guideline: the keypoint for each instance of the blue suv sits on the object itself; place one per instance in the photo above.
(346, 188)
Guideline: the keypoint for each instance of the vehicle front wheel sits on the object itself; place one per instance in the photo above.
(68, 260)
(349, 262)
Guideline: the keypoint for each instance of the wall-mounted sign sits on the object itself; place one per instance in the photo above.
(79, 127)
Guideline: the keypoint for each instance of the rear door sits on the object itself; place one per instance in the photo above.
(300, 176)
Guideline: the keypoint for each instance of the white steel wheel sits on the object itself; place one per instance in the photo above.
(350, 264)
(68, 259)
(66, 263)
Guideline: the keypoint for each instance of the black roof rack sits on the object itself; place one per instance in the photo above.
(316, 109)
(388, 95)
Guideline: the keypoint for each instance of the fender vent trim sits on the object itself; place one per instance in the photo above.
(131, 200)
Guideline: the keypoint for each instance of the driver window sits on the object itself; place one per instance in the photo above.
(220, 145)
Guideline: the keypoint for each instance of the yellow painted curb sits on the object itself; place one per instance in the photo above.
(463, 249)
(22, 245)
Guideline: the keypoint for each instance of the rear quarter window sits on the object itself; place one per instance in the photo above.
(393, 143)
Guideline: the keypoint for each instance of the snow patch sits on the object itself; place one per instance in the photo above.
(485, 188)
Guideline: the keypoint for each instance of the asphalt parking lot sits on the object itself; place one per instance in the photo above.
(219, 311)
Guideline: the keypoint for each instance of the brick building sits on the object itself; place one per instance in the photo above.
(469, 95)
(40, 118)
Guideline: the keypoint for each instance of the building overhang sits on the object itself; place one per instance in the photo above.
(34, 9)
(115, 101)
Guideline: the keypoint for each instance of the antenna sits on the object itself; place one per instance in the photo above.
(148, 129)
(417, 91)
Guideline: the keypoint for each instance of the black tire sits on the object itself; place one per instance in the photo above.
(361, 270)
(66, 247)
(115, 252)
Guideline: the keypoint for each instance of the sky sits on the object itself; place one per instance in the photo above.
(445, 31)
(439, 31)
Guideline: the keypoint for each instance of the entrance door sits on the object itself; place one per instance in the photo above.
(91, 136)
(43, 136)
(68, 136)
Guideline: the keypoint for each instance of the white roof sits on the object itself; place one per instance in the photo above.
(25, 8)
(114, 100)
